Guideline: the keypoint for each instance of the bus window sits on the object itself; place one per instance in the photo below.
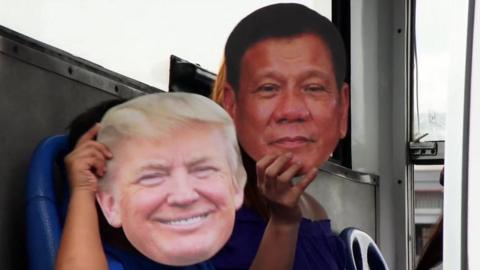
(431, 58)
(431, 83)
(428, 203)
(430, 86)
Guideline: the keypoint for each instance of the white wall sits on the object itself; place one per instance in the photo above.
(135, 38)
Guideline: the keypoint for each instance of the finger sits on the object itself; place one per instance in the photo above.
(98, 164)
(306, 180)
(278, 166)
(287, 175)
(102, 148)
(83, 159)
(89, 135)
(262, 165)
(97, 155)
(92, 180)
(269, 184)
(90, 146)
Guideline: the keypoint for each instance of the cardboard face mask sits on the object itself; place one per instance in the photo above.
(283, 84)
(288, 100)
(174, 195)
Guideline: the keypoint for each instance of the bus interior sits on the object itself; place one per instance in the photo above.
(413, 68)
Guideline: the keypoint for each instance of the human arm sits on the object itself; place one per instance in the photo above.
(311, 208)
(278, 245)
(80, 246)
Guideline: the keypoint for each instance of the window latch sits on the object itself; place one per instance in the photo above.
(422, 149)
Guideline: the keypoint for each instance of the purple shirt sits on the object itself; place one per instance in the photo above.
(317, 246)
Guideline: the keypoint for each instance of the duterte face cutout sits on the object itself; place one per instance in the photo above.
(288, 100)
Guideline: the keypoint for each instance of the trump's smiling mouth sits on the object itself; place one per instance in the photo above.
(185, 221)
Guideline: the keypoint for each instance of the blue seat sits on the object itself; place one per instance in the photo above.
(45, 207)
(362, 252)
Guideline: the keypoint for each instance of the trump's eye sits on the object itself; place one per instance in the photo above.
(203, 171)
(152, 179)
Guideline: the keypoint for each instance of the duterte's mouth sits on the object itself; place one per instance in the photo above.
(291, 142)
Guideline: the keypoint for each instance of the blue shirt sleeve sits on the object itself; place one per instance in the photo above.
(317, 246)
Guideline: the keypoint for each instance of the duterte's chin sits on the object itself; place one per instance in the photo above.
(308, 155)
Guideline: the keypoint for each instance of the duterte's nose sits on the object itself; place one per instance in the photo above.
(291, 108)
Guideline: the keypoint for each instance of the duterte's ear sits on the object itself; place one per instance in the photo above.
(229, 102)
(344, 108)
(110, 208)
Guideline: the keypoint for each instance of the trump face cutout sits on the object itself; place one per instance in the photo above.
(174, 193)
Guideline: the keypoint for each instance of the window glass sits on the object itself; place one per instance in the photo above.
(432, 57)
(431, 68)
(428, 203)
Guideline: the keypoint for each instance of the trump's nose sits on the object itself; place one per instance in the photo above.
(182, 191)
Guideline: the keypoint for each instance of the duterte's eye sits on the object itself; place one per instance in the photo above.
(314, 88)
(204, 171)
(152, 179)
(267, 89)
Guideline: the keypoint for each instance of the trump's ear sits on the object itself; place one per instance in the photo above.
(229, 102)
(110, 208)
(344, 108)
(238, 198)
